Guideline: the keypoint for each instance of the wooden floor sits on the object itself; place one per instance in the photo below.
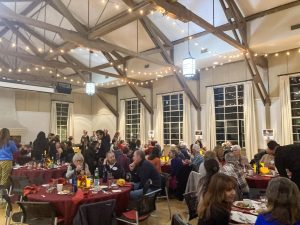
(159, 217)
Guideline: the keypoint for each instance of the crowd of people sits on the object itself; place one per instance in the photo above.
(222, 170)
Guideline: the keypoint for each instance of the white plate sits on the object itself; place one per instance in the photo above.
(63, 192)
(116, 191)
(103, 186)
(254, 212)
(240, 217)
(45, 185)
(241, 207)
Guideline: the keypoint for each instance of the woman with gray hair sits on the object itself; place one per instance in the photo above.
(78, 167)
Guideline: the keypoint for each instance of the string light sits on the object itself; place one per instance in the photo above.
(276, 54)
(287, 53)
(130, 10)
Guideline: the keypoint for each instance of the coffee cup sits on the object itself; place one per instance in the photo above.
(59, 187)
(250, 172)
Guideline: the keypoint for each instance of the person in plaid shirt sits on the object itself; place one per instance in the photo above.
(231, 168)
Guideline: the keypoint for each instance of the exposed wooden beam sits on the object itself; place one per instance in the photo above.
(22, 37)
(74, 37)
(132, 87)
(27, 10)
(60, 50)
(183, 13)
(119, 20)
(107, 104)
(63, 10)
(272, 10)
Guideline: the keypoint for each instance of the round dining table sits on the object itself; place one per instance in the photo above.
(258, 181)
(43, 175)
(66, 206)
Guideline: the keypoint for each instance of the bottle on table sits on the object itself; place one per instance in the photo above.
(257, 167)
(96, 177)
(74, 183)
(105, 175)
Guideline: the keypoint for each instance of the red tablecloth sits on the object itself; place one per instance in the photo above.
(45, 174)
(66, 205)
(258, 181)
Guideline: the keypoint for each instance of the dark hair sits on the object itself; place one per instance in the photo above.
(4, 137)
(138, 143)
(100, 132)
(272, 145)
(199, 142)
(125, 150)
(212, 167)
(283, 201)
(155, 153)
(215, 195)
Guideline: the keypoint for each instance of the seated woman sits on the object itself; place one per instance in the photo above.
(268, 161)
(283, 206)
(111, 166)
(78, 167)
(211, 168)
(176, 165)
(216, 205)
(154, 158)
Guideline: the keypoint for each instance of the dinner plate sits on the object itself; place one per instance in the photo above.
(240, 217)
(103, 186)
(254, 212)
(63, 192)
(237, 204)
(118, 190)
(45, 185)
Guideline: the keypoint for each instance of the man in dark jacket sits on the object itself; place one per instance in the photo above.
(286, 157)
(148, 179)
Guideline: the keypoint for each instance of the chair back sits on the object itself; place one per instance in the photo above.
(191, 200)
(18, 183)
(146, 204)
(4, 195)
(97, 213)
(38, 213)
(177, 220)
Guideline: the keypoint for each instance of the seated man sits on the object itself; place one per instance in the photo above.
(111, 165)
(147, 177)
(232, 168)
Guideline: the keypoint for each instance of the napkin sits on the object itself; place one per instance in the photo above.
(30, 190)
(78, 196)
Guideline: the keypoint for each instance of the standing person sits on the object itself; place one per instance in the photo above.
(52, 148)
(283, 207)
(104, 139)
(94, 137)
(40, 145)
(7, 148)
(154, 158)
(286, 157)
(216, 205)
(116, 137)
(84, 141)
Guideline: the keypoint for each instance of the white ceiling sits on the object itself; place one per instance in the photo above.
(266, 35)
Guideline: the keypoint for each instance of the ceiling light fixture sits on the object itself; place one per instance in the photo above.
(189, 64)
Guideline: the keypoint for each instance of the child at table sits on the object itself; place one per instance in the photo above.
(283, 206)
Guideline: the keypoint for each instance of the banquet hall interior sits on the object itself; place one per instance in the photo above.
(134, 101)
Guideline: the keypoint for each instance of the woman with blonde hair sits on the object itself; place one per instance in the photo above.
(215, 207)
(7, 149)
(283, 207)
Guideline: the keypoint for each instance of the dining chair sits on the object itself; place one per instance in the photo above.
(142, 210)
(96, 213)
(177, 220)
(191, 200)
(10, 216)
(37, 213)
(17, 185)
(164, 194)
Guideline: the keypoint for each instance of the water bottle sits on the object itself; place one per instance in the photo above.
(105, 175)
(74, 184)
(96, 177)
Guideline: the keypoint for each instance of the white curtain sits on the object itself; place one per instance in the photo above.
(210, 119)
(122, 119)
(53, 118)
(250, 121)
(159, 123)
(143, 124)
(187, 137)
(286, 114)
(70, 126)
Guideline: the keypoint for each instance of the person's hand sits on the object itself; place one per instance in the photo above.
(131, 166)
(78, 167)
(104, 161)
